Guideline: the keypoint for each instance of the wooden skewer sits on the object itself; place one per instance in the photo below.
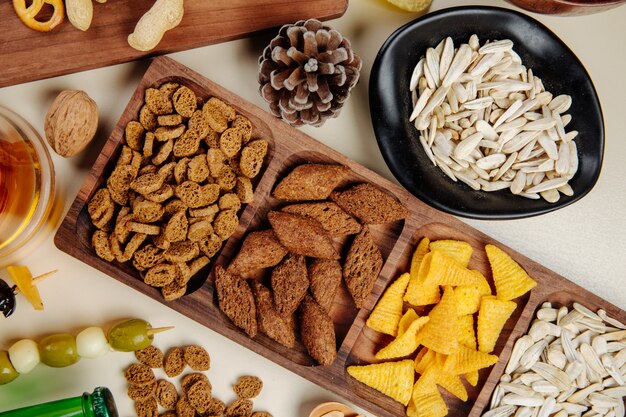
(37, 279)
(156, 330)
(41, 277)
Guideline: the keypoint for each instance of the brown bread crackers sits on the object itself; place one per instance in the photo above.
(369, 204)
(215, 408)
(261, 414)
(318, 332)
(248, 386)
(236, 300)
(150, 356)
(139, 374)
(260, 249)
(302, 235)
(310, 182)
(290, 283)
(239, 408)
(324, 279)
(278, 328)
(252, 157)
(174, 363)
(199, 396)
(332, 218)
(141, 392)
(197, 358)
(362, 266)
(172, 184)
(166, 394)
(188, 380)
(184, 408)
(101, 208)
(147, 408)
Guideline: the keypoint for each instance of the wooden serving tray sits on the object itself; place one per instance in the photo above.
(28, 55)
(355, 342)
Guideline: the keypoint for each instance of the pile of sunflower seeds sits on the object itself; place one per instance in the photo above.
(571, 363)
(486, 120)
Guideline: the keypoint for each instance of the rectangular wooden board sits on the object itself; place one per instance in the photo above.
(28, 55)
(356, 343)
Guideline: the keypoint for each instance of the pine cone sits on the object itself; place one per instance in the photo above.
(306, 73)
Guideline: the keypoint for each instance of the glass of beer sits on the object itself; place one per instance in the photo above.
(26, 184)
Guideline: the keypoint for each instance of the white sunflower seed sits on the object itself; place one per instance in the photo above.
(421, 103)
(418, 71)
(497, 46)
(432, 63)
(459, 63)
(491, 161)
(447, 53)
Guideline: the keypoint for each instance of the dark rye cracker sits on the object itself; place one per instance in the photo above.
(147, 408)
(310, 182)
(248, 386)
(324, 280)
(188, 380)
(150, 356)
(260, 249)
(277, 328)
(290, 283)
(141, 392)
(318, 332)
(370, 204)
(362, 266)
(197, 358)
(166, 394)
(236, 300)
(302, 235)
(139, 374)
(174, 363)
(332, 218)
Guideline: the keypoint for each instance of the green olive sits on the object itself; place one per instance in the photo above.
(58, 350)
(7, 371)
(130, 335)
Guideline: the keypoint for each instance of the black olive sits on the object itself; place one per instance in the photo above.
(7, 299)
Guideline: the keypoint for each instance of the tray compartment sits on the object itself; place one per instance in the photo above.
(369, 341)
(113, 147)
(343, 311)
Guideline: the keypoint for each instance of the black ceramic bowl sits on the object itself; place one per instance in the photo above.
(540, 49)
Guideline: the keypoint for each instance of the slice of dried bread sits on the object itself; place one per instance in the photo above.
(370, 204)
(302, 235)
(310, 182)
(236, 300)
(363, 264)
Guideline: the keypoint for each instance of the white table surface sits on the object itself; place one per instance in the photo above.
(585, 242)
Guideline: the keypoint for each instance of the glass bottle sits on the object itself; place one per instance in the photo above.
(100, 403)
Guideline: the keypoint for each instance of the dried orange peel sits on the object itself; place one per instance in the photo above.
(29, 14)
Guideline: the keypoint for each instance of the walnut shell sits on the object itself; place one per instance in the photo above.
(71, 122)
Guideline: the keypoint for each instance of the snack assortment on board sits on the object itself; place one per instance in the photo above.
(450, 346)
(571, 362)
(183, 174)
(63, 349)
(302, 248)
(196, 399)
(487, 120)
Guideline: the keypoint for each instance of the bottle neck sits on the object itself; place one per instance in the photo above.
(98, 404)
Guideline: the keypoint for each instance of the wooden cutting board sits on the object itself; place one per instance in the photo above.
(356, 343)
(28, 55)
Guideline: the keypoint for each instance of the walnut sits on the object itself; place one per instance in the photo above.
(71, 122)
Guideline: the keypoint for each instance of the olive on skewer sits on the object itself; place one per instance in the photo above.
(62, 349)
